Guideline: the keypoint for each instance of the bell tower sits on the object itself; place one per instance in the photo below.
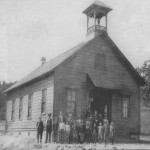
(95, 12)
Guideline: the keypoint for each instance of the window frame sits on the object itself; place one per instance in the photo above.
(43, 102)
(127, 116)
(20, 108)
(13, 110)
(71, 100)
(30, 97)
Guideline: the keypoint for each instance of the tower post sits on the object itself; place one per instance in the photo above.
(106, 21)
(96, 11)
(87, 23)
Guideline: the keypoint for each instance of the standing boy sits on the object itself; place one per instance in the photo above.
(61, 130)
(100, 132)
(70, 122)
(106, 131)
(48, 128)
(94, 133)
(39, 126)
(67, 133)
(112, 132)
(55, 130)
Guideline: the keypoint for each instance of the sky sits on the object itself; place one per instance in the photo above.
(32, 29)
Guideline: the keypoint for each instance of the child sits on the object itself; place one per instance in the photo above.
(61, 130)
(75, 132)
(94, 133)
(100, 132)
(88, 133)
(67, 132)
(111, 132)
(106, 131)
(81, 132)
(70, 122)
(55, 130)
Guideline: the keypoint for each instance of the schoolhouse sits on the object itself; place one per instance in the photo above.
(94, 74)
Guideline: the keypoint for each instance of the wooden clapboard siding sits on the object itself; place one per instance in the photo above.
(145, 120)
(26, 124)
(72, 74)
(9, 109)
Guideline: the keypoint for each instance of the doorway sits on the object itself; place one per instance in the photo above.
(102, 102)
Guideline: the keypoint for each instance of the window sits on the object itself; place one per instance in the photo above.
(20, 108)
(13, 110)
(100, 61)
(125, 107)
(71, 98)
(43, 105)
(30, 106)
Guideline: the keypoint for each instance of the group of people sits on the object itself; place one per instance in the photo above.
(93, 129)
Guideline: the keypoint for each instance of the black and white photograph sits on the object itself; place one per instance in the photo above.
(74, 74)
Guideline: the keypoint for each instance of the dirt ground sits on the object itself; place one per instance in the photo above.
(8, 142)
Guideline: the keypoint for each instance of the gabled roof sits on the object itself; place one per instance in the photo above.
(52, 64)
(48, 66)
(124, 60)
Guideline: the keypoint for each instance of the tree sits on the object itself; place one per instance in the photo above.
(144, 71)
(3, 98)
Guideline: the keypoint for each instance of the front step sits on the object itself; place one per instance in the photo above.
(125, 139)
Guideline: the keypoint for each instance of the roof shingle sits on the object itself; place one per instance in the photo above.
(48, 66)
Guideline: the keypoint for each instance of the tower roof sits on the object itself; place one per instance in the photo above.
(99, 7)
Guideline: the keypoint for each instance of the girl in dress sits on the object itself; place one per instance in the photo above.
(61, 130)
(100, 132)
(94, 134)
(75, 132)
(106, 131)
(67, 132)
(112, 132)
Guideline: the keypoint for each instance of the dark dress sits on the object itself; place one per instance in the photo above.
(70, 122)
(106, 132)
(94, 134)
(55, 132)
(75, 133)
(88, 131)
(39, 131)
(81, 133)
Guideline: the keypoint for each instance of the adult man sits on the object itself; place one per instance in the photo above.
(48, 128)
(39, 126)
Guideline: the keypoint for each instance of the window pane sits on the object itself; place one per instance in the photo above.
(43, 107)
(20, 105)
(70, 95)
(125, 109)
(29, 112)
(73, 96)
(12, 115)
(44, 92)
(20, 113)
(30, 99)
(13, 105)
(70, 107)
